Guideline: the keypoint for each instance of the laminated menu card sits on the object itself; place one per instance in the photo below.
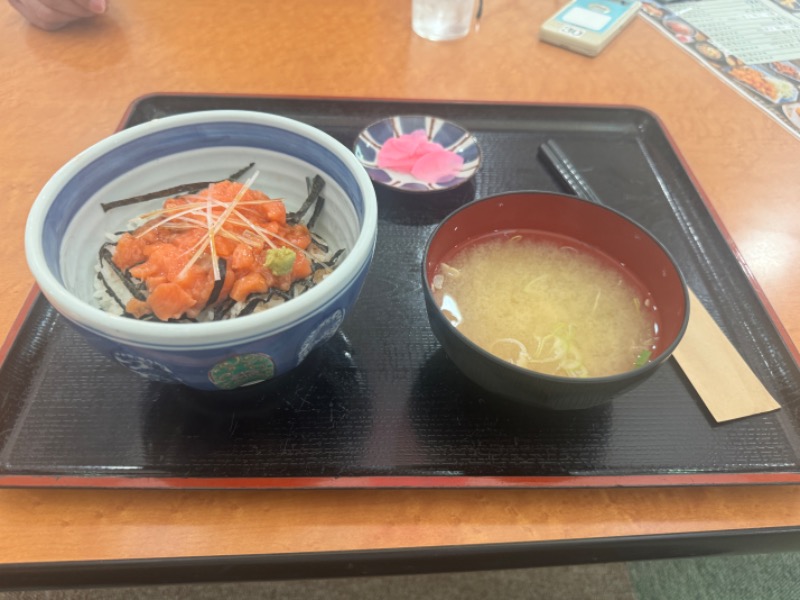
(753, 45)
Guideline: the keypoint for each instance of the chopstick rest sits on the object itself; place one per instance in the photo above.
(720, 376)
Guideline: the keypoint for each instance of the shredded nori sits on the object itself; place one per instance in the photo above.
(110, 291)
(250, 306)
(317, 210)
(186, 188)
(223, 270)
(319, 242)
(255, 302)
(223, 309)
(314, 186)
(132, 287)
(333, 259)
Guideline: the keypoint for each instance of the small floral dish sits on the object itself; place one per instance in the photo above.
(418, 153)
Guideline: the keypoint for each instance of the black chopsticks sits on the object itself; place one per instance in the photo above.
(560, 165)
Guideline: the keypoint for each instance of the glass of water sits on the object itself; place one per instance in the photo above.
(442, 20)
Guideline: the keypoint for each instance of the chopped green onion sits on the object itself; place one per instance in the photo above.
(642, 359)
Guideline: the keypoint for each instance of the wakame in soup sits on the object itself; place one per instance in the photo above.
(547, 303)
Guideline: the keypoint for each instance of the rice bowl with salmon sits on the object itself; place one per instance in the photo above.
(67, 229)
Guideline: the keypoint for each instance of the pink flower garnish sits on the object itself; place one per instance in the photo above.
(413, 153)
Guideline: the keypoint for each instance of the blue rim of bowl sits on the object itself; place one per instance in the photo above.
(196, 126)
(450, 135)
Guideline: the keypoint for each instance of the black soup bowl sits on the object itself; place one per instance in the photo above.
(599, 229)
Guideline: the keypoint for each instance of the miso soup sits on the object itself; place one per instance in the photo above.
(547, 303)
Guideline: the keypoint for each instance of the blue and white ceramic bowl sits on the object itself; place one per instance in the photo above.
(449, 135)
(66, 227)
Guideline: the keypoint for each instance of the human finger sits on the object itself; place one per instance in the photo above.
(51, 14)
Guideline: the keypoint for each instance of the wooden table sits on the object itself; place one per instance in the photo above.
(63, 91)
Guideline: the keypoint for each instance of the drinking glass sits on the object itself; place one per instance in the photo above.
(442, 20)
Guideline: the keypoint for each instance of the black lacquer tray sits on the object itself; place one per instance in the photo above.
(381, 405)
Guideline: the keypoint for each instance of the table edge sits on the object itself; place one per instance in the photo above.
(395, 561)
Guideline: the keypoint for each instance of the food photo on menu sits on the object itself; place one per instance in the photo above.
(752, 45)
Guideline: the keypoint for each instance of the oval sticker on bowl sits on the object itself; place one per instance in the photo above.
(242, 370)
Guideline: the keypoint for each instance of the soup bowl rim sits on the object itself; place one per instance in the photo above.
(637, 372)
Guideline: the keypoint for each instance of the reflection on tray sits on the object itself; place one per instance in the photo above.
(300, 420)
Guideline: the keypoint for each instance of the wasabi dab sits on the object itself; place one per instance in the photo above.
(280, 260)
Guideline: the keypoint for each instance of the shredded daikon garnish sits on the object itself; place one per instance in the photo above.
(214, 227)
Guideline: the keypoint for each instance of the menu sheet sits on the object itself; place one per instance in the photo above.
(753, 45)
